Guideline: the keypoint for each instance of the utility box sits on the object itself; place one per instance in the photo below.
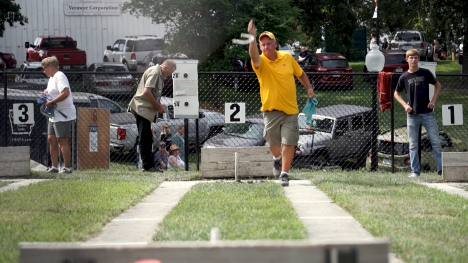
(185, 89)
(93, 138)
(432, 67)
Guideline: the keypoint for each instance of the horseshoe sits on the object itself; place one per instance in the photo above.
(248, 38)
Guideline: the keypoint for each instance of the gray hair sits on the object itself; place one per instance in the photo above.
(170, 64)
(50, 61)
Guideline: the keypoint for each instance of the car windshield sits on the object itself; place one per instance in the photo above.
(246, 130)
(335, 63)
(57, 43)
(145, 45)
(406, 36)
(318, 123)
(111, 69)
(395, 59)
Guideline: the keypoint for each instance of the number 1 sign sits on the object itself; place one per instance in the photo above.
(452, 114)
(234, 112)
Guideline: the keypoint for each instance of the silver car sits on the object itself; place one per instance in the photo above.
(245, 134)
(105, 82)
(413, 39)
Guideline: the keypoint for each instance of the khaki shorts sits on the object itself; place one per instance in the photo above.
(59, 129)
(280, 128)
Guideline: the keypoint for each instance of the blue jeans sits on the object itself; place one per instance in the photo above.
(430, 123)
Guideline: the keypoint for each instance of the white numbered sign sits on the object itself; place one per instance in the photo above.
(234, 112)
(23, 113)
(452, 114)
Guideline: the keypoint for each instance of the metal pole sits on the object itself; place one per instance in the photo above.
(377, 35)
(186, 144)
(197, 142)
(374, 132)
(5, 109)
(392, 126)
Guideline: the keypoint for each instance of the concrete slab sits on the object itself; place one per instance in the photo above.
(17, 183)
(325, 221)
(447, 188)
(138, 224)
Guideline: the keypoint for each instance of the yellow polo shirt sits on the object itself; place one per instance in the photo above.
(277, 83)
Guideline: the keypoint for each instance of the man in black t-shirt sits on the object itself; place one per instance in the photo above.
(419, 109)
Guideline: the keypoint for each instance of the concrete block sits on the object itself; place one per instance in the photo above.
(252, 162)
(15, 161)
(455, 166)
(210, 252)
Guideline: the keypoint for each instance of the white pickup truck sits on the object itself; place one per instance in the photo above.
(123, 129)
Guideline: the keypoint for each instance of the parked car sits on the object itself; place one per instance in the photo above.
(401, 150)
(8, 59)
(32, 132)
(108, 84)
(38, 78)
(154, 58)
(245, 134)
(288, 49)
(63, 47)
(334, 63)
(131, 50)
(123, 130)
(409, 39)
(395, 61)
(338, 133)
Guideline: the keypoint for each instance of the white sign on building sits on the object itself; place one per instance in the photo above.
(91, 8)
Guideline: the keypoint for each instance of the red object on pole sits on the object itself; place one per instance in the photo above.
(384, 89)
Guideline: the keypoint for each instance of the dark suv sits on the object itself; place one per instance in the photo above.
(340, 133)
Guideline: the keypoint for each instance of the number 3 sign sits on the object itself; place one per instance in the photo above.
(23, 113)
(234, 112)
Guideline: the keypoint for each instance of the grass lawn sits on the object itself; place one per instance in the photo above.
(2, 183)
(443, 67)
(71, 207)
(241, 211)
(422, 224)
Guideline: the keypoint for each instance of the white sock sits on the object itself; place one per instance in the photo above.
(53, 167)
(283, 172)
(67, 169)
(276, 159)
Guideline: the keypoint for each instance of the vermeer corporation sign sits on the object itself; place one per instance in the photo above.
(92, 8)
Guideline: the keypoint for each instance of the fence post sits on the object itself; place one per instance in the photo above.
(5, 109)
(374, 132)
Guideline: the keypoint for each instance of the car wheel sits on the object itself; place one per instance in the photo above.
(105, 59)
(125, 64)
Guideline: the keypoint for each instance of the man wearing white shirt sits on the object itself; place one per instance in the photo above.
(59, 96)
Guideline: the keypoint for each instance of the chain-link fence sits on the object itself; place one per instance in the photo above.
(349, 130)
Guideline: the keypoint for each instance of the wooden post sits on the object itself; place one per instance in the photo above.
(93, 138)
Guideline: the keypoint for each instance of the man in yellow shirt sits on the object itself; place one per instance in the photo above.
(275, 72)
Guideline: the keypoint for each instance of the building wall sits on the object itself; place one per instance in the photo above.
(92, 32)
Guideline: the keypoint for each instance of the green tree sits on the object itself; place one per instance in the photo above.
(10, 13)
(205, 27)
(328, 23)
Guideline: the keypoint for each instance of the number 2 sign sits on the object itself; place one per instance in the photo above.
(234, 112)
(452, 114)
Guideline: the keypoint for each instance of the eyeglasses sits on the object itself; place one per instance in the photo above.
(44, 68)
